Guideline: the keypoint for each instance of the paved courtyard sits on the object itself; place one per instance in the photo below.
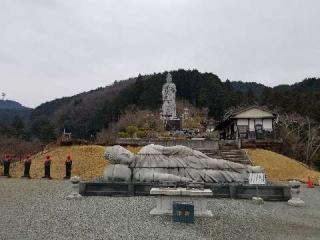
(38, 209)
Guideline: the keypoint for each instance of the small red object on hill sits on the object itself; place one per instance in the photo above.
(7, 157)
(310, 183)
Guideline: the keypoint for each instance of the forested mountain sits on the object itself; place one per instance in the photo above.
(245, 87)
(78, 114)
(9, 104)
(87, 113)
(303, 98)
(9, 109)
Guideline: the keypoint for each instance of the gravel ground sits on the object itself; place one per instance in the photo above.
(38, 209)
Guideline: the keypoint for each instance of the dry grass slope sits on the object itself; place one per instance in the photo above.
(134, 149)
(88, 162)
(281, 168)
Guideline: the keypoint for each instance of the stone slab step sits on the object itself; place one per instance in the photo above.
(237, 159)
(232, 154)
(204, 149)
(234, 150)
(233, 157)
(227, 153)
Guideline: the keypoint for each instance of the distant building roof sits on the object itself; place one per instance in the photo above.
(246, 112)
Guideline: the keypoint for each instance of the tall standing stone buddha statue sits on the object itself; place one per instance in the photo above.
(169, 99)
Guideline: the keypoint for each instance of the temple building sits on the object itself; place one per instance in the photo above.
(249, 123)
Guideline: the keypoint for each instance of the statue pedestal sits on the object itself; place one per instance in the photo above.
(167, 196)
(173, 124)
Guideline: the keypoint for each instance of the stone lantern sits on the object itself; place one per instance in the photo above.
(295, 191)
(75, 188)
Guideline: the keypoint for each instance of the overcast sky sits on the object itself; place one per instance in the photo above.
(55, 48)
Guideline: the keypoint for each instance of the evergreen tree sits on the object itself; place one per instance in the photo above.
(17, 126)
(43, 130)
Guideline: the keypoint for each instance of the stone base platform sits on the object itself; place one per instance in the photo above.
(271, 192)
(296, 202)
(167, 196)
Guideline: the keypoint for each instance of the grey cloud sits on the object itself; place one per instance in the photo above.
(55, 48)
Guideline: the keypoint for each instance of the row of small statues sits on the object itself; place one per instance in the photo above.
(27, 165)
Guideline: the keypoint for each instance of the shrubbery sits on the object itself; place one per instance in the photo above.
(141, 134)
(131, 130)
(123, 135)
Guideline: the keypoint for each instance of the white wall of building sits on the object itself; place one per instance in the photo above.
(258, 121)
(251, 125)
(242, 122)
(267, 124)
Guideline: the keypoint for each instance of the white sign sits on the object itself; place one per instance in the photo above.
(257, 178)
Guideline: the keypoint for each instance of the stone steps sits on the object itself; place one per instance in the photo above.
(234, 157)
(238, 158)
(233, 154)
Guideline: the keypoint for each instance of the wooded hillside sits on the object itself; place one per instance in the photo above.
(87, 113)
(9, 109)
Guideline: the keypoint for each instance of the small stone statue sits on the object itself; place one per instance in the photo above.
(75, 188)
(295, 191)
(68, 164)
(6, 165)
(47, 166)
(27, 165)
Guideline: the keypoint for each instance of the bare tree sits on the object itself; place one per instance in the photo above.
(301, 136)
(313, 141)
